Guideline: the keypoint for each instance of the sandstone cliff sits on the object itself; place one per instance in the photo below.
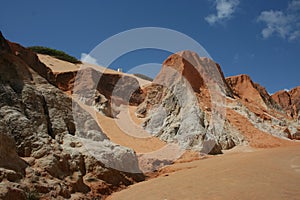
(243, 87)
(192, 104)
(289, 101)
(186, 105)
(46, 136)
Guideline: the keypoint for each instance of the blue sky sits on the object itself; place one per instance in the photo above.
(259, 38)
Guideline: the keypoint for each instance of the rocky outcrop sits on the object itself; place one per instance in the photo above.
(124, 89)
(283, 98)
(116, 88)
(243, 87)
(289, 101)
(172, 104)
(295, 100)
(198, 72)
(263, 111)
(190, 94)
(37, 121)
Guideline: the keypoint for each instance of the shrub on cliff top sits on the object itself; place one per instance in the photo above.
(55, 53)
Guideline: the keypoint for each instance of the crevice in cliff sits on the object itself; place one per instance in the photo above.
(49, 124)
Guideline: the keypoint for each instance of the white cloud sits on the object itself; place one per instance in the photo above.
(285, 24)
(294, 5)
(88, 59)
(225, 10)
(295, 35)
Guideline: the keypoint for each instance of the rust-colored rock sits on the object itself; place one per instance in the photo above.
(289, 101)
(198, 71)
(283, 98)
(244, 88)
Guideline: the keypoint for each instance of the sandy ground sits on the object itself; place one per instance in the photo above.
(261, 174)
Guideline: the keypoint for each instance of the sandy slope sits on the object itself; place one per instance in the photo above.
(256, 137)
(135, 139)
(58, 66)
(115, 133)
(263, 174)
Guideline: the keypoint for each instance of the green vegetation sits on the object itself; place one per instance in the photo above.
(142, 76)
(55, 53)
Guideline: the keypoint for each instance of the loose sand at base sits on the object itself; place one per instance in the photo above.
(260, 174)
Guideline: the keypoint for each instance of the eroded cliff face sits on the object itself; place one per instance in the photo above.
(185, 105)
(243, 87)
(191, 103)
(46, 136)
(108, 84)
(289, 101)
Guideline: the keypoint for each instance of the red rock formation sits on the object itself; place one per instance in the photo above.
(289, 101)
(243, 87)
(196, 70)
(182, 63)
(295, 100)
(283, 98)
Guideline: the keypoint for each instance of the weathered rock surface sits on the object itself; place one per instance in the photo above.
(289, 101)
(37, 121)
(10, 191)
(262, 110)
(9, 158)
(124, 89)
(187, 104)
(105, 92)
(244, 88)
(172, 104)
